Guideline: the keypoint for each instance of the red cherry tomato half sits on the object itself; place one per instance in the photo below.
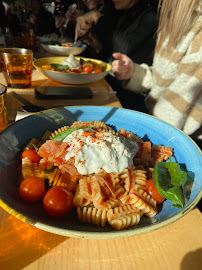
(31, 155)
(151, 189)
(58, 201)
(98, 71)
(87, 69)
(32, 189)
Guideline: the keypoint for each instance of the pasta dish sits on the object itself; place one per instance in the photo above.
(73, 65)
(104, 172)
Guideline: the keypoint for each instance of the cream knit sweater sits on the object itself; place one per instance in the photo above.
(174, 82)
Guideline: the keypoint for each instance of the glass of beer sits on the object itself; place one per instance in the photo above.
(16, 65)
(3, 112)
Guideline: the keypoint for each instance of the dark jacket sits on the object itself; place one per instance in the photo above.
(134, 32)
(131, 32)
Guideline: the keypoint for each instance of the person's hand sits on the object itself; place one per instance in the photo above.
(73, 13)
(123, 67)
(93, 41)
(85, 22)
(60, 21)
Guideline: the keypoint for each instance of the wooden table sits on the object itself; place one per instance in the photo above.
(104, 96)
(176, 246)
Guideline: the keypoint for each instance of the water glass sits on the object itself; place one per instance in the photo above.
(3, 111)
(16, 65)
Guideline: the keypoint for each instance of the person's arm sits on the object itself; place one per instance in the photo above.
(137, 78)
(85, 22)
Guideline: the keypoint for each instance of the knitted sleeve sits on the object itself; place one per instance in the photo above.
(142, 80)
(174, 83)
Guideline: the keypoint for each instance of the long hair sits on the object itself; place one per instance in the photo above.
(175, 20)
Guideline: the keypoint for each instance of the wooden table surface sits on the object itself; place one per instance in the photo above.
(104, 95)
(22, 246)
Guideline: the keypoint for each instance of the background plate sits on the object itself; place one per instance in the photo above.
(70, 78)
(62, 50)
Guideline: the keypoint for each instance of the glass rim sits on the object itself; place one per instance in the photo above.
(4, 90)
(15, 51)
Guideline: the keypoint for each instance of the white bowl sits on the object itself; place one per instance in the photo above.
(49, 37)
(70, 78)
(62, 50)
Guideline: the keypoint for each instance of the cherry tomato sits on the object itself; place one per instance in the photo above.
(58, 201)
(98, 71)
(151, 189)
(31, 155)
(32, 189)
(87, 69)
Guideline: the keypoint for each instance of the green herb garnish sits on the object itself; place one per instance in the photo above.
(172, 182)
(62, 135)
(35, 147)
(50, 170)
(59, 67)
(52, 42)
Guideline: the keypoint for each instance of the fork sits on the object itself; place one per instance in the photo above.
(27, 106)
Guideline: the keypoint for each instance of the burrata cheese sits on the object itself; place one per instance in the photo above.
(72, 62)
(101, 150)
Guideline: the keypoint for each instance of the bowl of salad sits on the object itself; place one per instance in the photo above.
(98, 172)
(62, 48)
(72, 69)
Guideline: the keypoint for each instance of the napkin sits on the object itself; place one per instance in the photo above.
(21, 115)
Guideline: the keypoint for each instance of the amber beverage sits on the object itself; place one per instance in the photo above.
(3, 112)
(16, 65)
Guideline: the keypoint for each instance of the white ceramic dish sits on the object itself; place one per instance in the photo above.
(62, 50)
(16, 136)
(70, 78)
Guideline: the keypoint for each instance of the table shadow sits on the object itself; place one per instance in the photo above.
(192, 260)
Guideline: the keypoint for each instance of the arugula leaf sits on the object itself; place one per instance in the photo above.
(52, 42)
(87, 61)
(172, 182)
(62, 135)
(59, 67)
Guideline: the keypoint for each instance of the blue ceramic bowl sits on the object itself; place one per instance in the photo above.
(16, 136)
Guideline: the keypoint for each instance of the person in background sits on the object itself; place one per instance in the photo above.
(132, 28)
(2, 15)
(40, 20)
(12, 22)
(174, 80)
(75, 9)
(128, 27)
(65, 23)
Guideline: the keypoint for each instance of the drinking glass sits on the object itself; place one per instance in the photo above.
(16, 65)
(3, 112)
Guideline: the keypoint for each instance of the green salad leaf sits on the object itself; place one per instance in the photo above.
(62, 135)
(173, 182)
(53, 42)
(59, 67)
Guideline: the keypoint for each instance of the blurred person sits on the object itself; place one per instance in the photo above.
(12, 22)
(174, 81)
(7, 7)
(76, 9)
(2, 15)
(40, 20)
(126, 26)
(131, 27)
